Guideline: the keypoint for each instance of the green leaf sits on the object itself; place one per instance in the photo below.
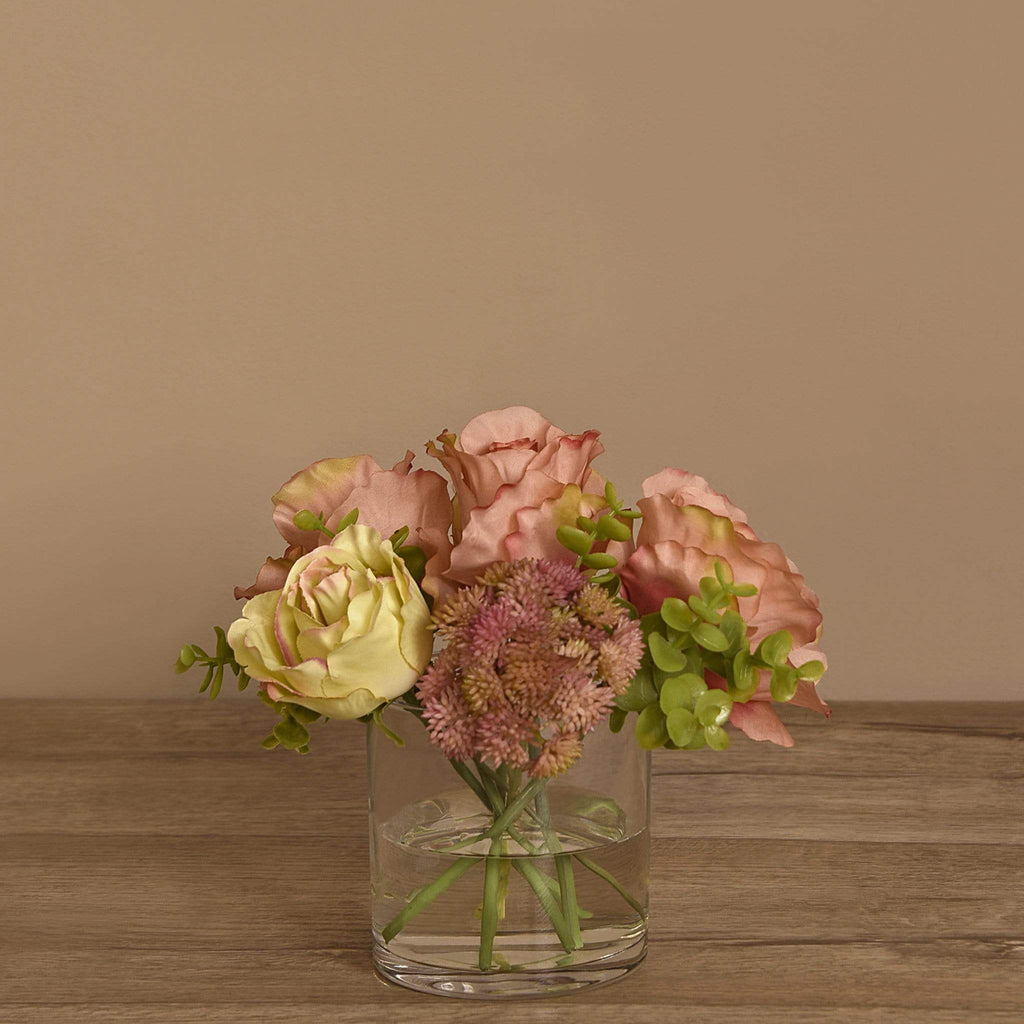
(630, 513)
(291, 734)
(207, 680)
(710, 591)
(811, 670)
(681, 725)
(186, 656)
(723, 573)
(616, 719)
(734, 628)
(744, 674)
(742, 589)
(218, 678)
(666, 657)
(415, 560)
(398, 538)
(640, 693)
(651, 730)
(704, 610)
(223, 650)
(675, 613)
(598, 560)
(710, 637)
(717, 738)
(577, 541)
(650, 623)
(303, 715)
(612, 529)
(270, 742)
(774, 649)
(681, 692)
(783, 684)
(712, 708)
(698, 742)
(610, 496)
(586, 525)
(243, 681)
(198, 651)
(346, 521)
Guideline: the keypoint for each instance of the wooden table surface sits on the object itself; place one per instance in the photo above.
(157, 865)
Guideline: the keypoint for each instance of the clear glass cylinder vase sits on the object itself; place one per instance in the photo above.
(486, 883)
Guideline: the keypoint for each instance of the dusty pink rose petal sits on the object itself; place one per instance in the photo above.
(511, 469)
(271, 576)
(683, 488)
(758, 720)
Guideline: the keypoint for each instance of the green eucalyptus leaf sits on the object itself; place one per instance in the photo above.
(610, 528)
(291, 734)
(270, 742)
(218, 678)
(742, 589)
(616, 719)
(223, 650)
(723, 573)
(704, 610)
(717, 738)
(346, 521)
(630, 513)
(710, 591)
(774, 649)
(698, 742)
(576, 540)
(681, 692)
(243, 681)
(198, 651)
(811, 670)
(666, 657)
(734, 628)
(710, 637)
(675, 613)
(783, 683)
(415, 560)
(651, 730)
(303, 715)
(186, 656)
(610, 496)
(599, 560)
(681, 725)
(712, 708)
(586, 525)
(640, 692)
(399, 537)
(207, 679)
(306, 519)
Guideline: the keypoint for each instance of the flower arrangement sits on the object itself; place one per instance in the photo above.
(511, 617)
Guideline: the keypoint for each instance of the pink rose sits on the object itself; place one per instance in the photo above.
(686, 526)
(387, 499)
(517, 478)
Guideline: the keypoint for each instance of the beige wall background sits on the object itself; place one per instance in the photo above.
(778, 244)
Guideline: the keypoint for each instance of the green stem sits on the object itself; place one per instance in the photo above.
(509, 815)
(563, 866)
(489, 911)
(426, 896)
(612, 881)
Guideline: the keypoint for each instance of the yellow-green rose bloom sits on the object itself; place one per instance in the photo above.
(349, 630)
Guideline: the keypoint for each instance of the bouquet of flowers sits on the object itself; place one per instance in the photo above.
(511, 616)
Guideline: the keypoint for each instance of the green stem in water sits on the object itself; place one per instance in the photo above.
(489, 911)
(507, 817)
(563, 866)
(612, 881)
(427, 895)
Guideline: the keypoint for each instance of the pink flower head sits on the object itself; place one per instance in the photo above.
(387, 499)
(686, 527)
(533, 662)
(517, 477)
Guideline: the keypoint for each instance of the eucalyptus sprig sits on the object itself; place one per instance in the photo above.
(290, 732)
(581, 538)
(223, 658)
(674, 705)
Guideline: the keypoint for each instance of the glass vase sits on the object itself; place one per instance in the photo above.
(486, 883)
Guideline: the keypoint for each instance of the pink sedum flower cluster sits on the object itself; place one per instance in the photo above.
(534, 658)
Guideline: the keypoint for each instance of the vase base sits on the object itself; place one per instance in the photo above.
(514, 984)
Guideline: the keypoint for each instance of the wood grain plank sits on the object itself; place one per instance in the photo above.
(213, 892)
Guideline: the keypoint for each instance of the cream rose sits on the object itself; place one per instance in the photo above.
(348, 631)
